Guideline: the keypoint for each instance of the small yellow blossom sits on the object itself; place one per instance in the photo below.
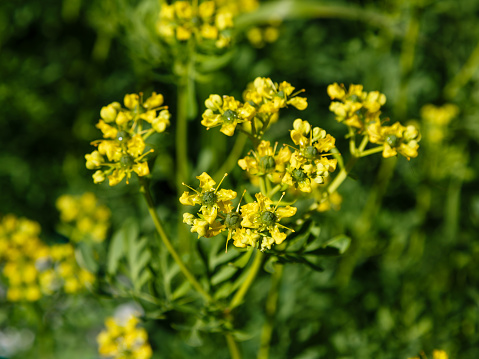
(227, 113)
(395, 139)
(210, 198)
(262, 216)
(308, 163)
(355, 107)
(265, 160)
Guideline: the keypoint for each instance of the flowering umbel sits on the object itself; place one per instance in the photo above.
(205, 21)
(262, 101)
(125, 129)
(123, 339)
(309, 162)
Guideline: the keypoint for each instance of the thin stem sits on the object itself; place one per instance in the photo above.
(232, 346)
(262, 185)
(342, 175)
(371, 151)
(233, 157)
(182, 133)
(363, 144)
(159, 227)
(271, 307)
(253, 271)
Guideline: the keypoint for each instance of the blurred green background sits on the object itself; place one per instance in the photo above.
(408, 283)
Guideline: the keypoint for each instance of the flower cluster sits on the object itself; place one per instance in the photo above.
(21, 251)
(205, 21)
(63, 271)
(308, 163)
(297, 169)
(83, 217)
(436, 121)
(262, 101)
(355, 107)
(267, 161)
(124, 133)
(395, 139)
(257, 224)
(361, 110)
(32, 268)
(124, 340)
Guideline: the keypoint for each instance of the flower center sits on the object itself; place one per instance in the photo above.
(126, 161)
(230, 116)
(310, 152)
(122, 136)
(233, 220)
(392, 140)
(209, 198)
(298, 175)
(267, 163)
(268, 218)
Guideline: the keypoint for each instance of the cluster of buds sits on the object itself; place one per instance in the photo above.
(123, 339)
(124, 133)
(262, 101)
(255, 224)
(361, 111)
(34, 269)
(83, 217)
(205, 21)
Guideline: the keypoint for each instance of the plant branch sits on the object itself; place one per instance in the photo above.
(164, 238)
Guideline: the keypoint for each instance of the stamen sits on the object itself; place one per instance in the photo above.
(219, 184)
(237, 208)
(282, 195)
(184, 184)
(144, 154)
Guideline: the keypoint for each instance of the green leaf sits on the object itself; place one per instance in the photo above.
(86, 257)
(138, 256)
(223, 274)
(334, 247)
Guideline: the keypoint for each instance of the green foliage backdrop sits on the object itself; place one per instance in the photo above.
(409, 280)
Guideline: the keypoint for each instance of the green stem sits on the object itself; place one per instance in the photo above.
(232, 346)
(253, 271)
(363, 144)
(342, 175)
(271, 307)
(182, 133)
(159, 227)
(233, 157)
(262, 185)
(371, 151)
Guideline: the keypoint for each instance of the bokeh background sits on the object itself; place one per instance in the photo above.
(408, 283)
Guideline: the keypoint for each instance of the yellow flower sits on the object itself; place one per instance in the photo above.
(355, 107)
(308, 162)
(227, 113)
(262, 216)
(395, 139)
(210, 198)
(265, 160)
